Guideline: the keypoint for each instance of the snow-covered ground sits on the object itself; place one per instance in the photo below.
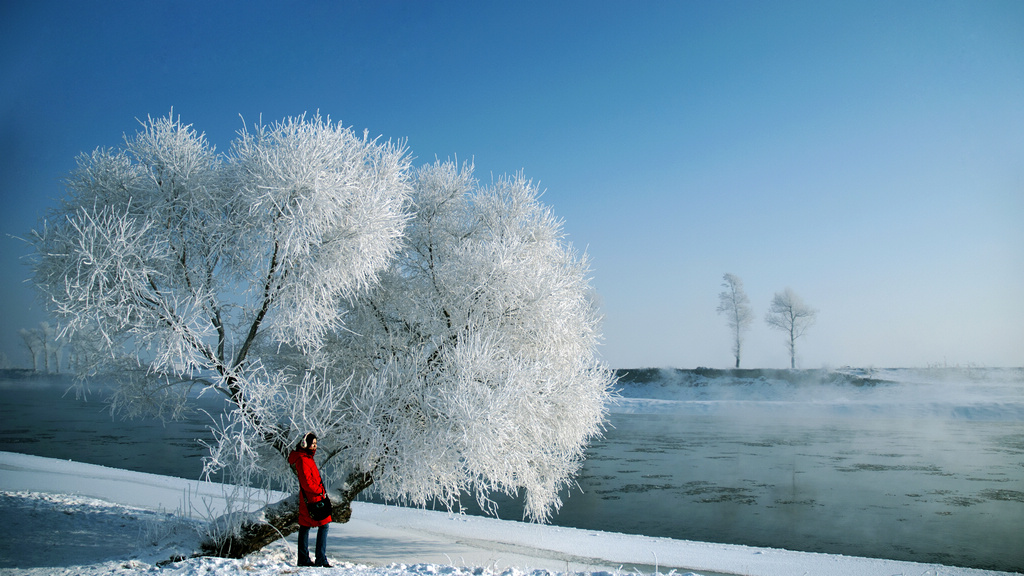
(63, 517)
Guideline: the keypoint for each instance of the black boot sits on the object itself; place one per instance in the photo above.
(324, 563)
(305, 561)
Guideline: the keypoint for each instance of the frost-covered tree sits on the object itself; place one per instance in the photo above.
(33, 343)
(52, 346)
(733, 302)
(56, 346)
(171, 266)
(466, 360)
(44, 345)
(789, 314)
(470, 368)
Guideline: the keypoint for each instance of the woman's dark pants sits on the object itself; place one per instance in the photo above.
(321, 545)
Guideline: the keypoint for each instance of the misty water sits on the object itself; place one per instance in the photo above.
(920, 466)
(950, 494)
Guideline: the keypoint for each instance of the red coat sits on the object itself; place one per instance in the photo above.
(310, 485)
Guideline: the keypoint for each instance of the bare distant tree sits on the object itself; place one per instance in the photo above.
(57, 350)
(789, 314)
(733, 302)
(52, 347)
(48, 339)
(33, 343)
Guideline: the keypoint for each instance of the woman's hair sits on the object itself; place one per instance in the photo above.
(307, 440)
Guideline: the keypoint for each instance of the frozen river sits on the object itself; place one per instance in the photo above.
(901, 465)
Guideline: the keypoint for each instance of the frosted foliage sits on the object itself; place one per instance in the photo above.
(330, 199)
(789, 314)
(467, 357)
(734, 303)
(173, 259)
(473, 364)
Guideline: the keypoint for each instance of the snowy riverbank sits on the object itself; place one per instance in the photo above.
(59, 516)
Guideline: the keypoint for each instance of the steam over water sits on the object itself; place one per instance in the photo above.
(922, 465)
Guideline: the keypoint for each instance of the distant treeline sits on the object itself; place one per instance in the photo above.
(700, 376)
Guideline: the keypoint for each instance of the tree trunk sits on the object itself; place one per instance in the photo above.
(274, 521)
(278, 520)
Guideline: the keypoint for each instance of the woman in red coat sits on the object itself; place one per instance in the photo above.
(311, 489)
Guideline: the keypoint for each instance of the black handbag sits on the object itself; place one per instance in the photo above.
(320, 509)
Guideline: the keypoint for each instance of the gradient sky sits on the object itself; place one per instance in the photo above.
(868, 155)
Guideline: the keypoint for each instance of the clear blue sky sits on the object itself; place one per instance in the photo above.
(869, 155)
